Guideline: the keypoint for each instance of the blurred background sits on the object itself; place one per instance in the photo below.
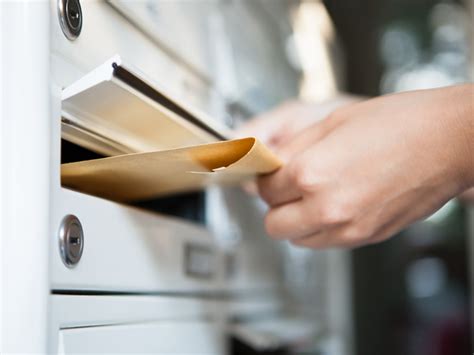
(411, 293)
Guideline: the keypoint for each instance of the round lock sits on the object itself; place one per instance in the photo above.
(70, 18)
(71, 240)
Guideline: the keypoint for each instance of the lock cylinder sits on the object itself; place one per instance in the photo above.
(70, 18)
(71, 240)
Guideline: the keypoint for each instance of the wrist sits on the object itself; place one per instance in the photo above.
(463, 97)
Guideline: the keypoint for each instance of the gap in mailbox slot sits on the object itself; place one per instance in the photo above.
(190, 206)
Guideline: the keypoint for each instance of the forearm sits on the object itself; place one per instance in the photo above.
(463, 104)
(468, 195)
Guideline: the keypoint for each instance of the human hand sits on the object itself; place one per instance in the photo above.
(280, 125)
(372, 168)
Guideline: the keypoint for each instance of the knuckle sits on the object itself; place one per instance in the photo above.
(328, 216)
(303, 177)
(353, 233)
(334, 213)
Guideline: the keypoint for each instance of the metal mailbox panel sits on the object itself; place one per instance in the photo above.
(127, 249)
(189, 337)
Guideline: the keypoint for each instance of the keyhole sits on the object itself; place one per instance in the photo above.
(75, 241)
(73, 13)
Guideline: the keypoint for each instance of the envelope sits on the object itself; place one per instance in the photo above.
(141, 176)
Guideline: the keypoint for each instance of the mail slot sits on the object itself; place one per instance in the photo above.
(168, 148)
(112, 110)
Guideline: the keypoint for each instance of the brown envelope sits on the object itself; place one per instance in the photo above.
(141, 176)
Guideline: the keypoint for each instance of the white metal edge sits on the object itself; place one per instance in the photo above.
(25, 172)
(79, 311)
(101, 73)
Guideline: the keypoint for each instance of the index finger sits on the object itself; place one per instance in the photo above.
(279, 187)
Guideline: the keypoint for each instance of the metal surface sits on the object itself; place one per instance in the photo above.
(71, 240)
(127, 249)
(92, 318)
(70, 18)
(25, 175)
(201, 337)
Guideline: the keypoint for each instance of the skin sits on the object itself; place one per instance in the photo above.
(278, 127)
(370, 168)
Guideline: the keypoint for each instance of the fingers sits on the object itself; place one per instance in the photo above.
(310, 222)
(289, 183)
(289, 221)
(361, 231)
(271, 126)
(308, 137)
(306, 216)
(279, 187)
